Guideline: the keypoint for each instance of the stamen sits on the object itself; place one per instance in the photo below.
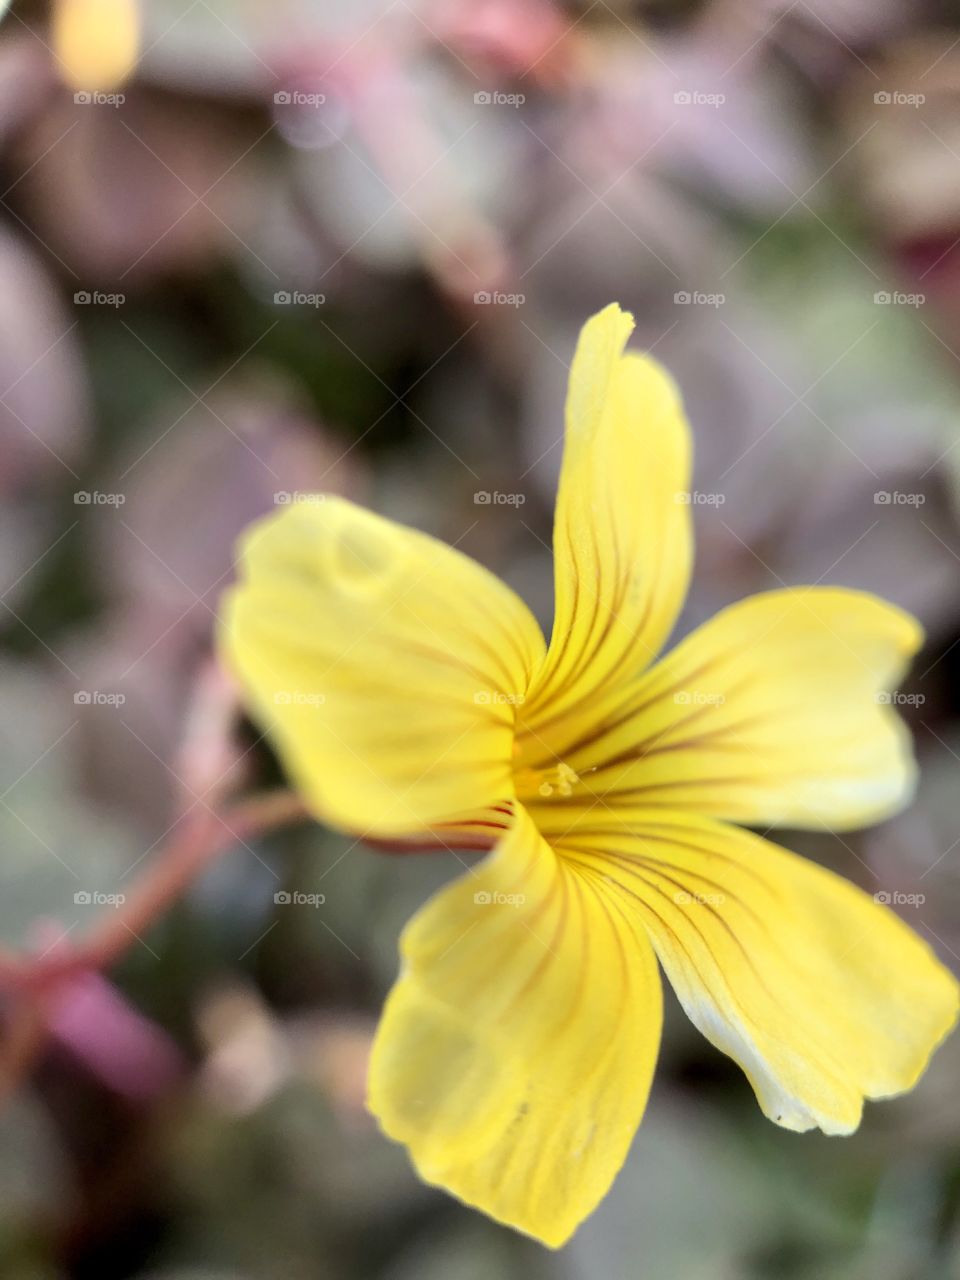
(559, 780)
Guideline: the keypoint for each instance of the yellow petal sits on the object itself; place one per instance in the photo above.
(822, 995)
(622, 533)
(96, 42)
(385, 666)
(516, 1050)
(776, 711)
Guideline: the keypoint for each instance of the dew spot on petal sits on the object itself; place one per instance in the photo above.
(362, 557)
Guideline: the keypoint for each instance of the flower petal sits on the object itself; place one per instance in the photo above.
(773, 712)
(515, 1053)
(822, 995)
(385, 666)
(622, 533)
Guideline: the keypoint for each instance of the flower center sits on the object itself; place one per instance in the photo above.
(557, 780)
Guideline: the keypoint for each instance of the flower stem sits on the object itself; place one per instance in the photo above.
(197, 841)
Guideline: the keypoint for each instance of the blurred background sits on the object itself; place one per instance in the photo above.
(249, 251)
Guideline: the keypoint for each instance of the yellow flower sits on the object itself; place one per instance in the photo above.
(96, 42)
(410, 693)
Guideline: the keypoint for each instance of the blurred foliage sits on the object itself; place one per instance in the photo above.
(256, 275)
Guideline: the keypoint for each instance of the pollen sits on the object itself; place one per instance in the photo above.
(557, 781)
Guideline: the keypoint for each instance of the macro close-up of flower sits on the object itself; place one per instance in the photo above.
(413, 699)
(479, 640)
